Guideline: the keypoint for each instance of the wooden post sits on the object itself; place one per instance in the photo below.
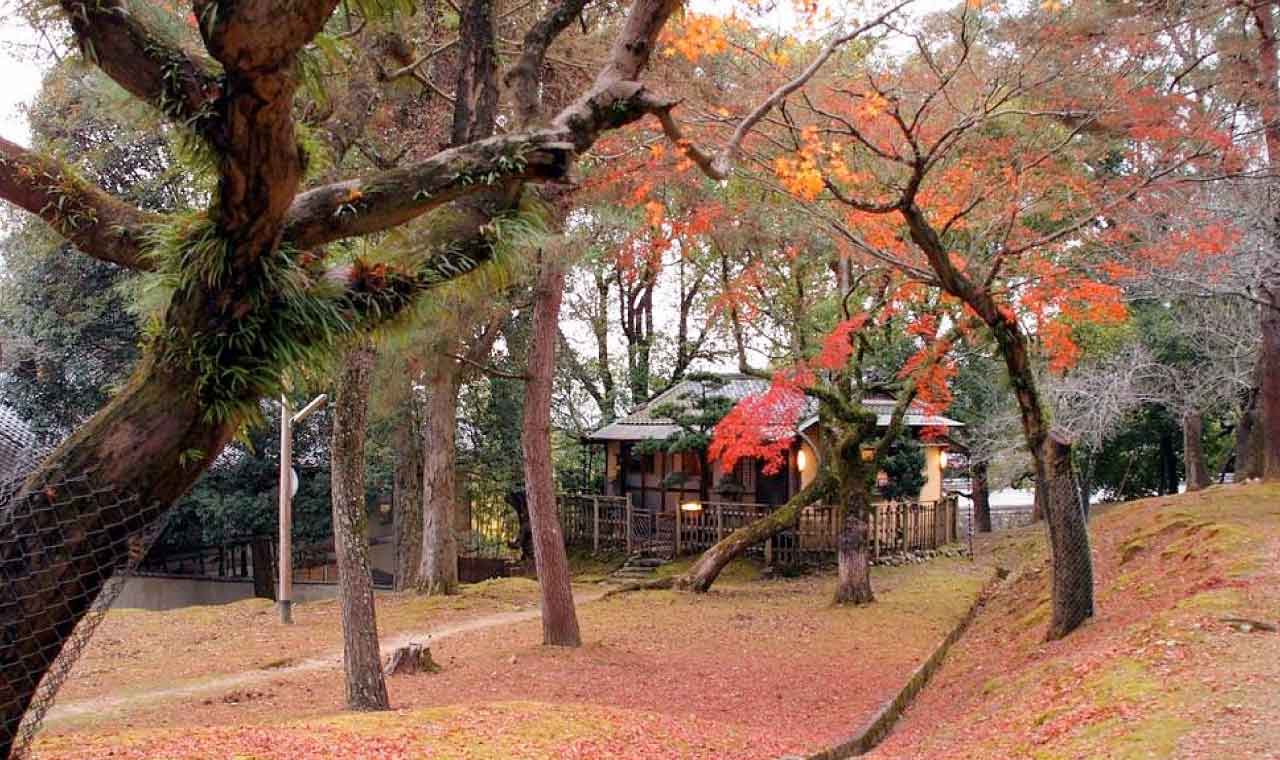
(595, 525)
(875, 531)
(768, 552)
(627, 517)
(679, 518)
(284, 599)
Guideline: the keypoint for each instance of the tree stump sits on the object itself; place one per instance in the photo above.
(407, 660)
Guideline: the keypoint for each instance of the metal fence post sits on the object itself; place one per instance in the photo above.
(719, 522)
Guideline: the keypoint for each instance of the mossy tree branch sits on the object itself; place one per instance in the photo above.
(96, 222)
(149, 67)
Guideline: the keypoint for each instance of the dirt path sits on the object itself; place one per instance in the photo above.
(70, 711)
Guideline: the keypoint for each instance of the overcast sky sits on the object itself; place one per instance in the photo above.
(19, 80)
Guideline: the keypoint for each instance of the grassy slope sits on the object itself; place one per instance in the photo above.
(1156, 674)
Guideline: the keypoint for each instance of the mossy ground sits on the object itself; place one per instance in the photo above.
(1156, 673)
(753, 669)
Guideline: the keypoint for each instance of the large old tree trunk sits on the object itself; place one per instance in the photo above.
(361, 658)
(559, 617)
(406, 496)
(439, 571)
(1249, 439)
(853, 582)
(853, 486)
(981, 497)
(1193, 451)
(106, 484)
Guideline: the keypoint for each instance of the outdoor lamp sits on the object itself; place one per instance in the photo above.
(802, 460)
(691, 506)
(868, 454)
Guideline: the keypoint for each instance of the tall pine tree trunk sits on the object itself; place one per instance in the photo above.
(1193, 450)
(406, 496)
(1268, 100)
(981, 490)
(1269, 387)
(361, 658)
(559, 617)
(439, 571)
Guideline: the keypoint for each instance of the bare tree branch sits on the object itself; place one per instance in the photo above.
(720, 164)
(523, 78)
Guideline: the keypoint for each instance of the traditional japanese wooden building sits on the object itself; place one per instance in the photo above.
(659, 482)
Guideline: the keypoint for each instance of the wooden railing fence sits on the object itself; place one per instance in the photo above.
(612, 523)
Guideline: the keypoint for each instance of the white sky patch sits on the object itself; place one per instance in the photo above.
(21, 70)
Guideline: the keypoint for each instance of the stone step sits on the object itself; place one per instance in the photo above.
(646, 562)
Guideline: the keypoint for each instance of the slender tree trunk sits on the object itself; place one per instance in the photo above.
(1193, 451)
(853, 585)
(439, 572)
(361, 658)
(1069, 539)
(1068, 530)
(407, 493)
(559, 617)
(264, 568)
(981, 497)
(713, 561)
(109, 483)
(1168, 465)
(519, 503)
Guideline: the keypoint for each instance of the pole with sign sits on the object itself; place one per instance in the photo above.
(289, 489)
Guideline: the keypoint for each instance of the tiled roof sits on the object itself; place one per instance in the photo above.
(642, 424)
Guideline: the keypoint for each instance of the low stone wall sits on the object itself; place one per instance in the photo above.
(153, 592)
(879, 725)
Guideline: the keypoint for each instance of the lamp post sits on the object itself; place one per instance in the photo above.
(288, 488)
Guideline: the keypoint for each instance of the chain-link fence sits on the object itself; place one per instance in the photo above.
(65, 547)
